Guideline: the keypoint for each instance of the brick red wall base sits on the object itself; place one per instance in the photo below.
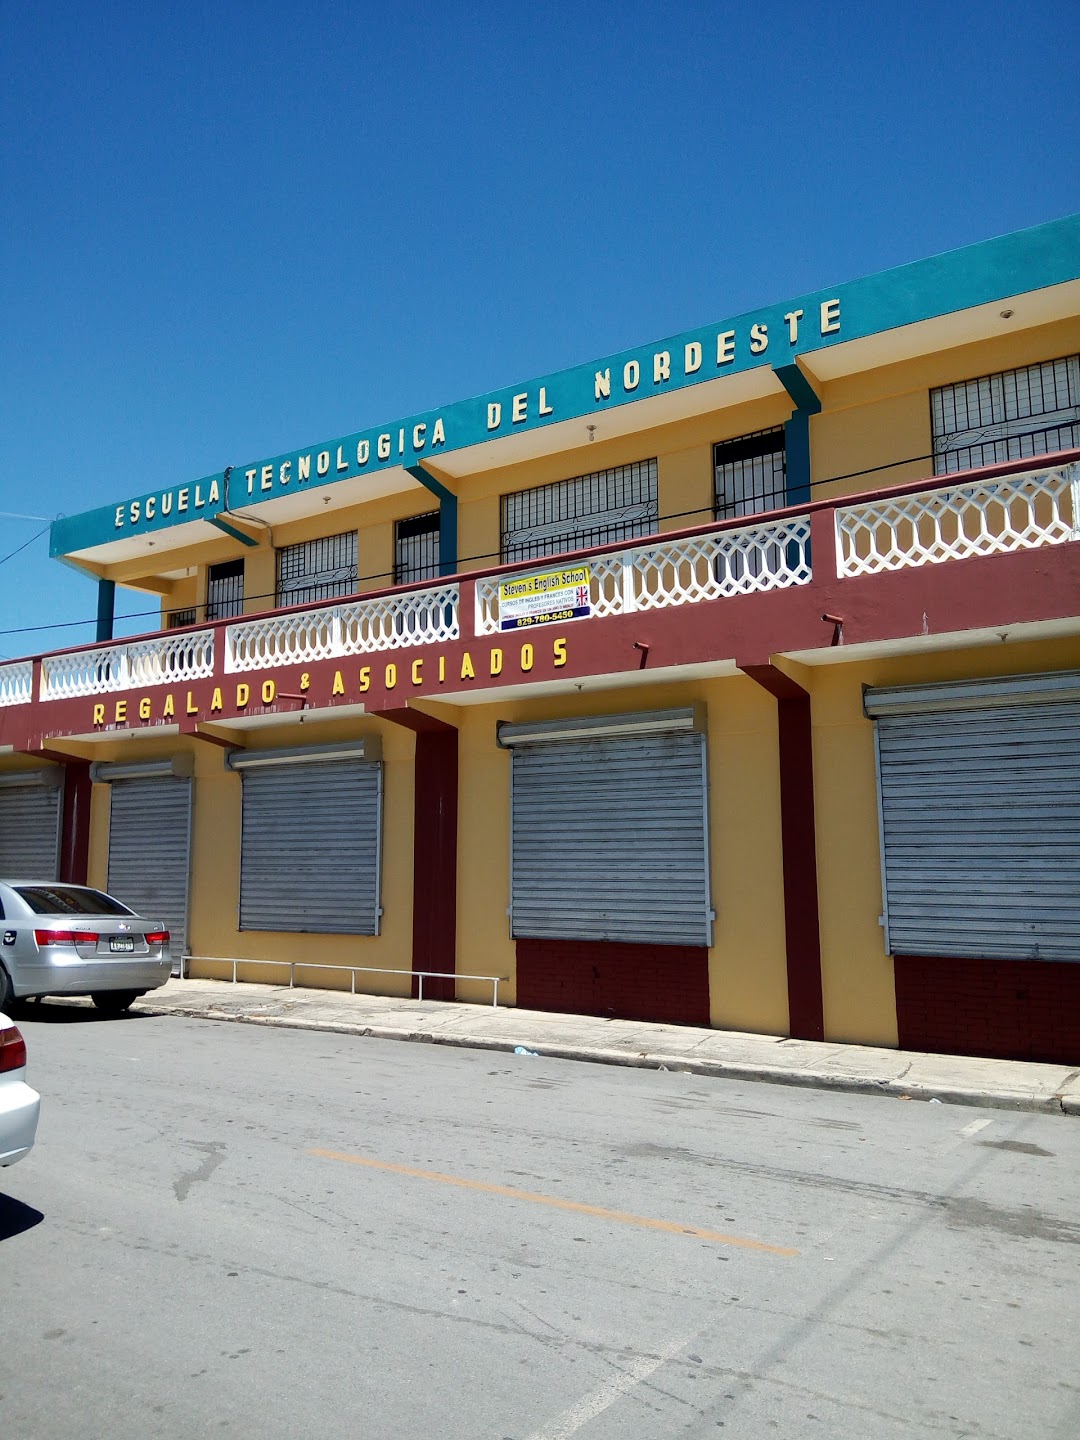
(1007, 1009)
(669, 983)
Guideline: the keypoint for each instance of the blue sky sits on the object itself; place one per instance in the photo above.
(230, 231)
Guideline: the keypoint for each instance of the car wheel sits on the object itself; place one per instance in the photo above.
(114, 1002)
(7, 994)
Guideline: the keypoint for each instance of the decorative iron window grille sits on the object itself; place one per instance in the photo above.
(596, 509)
(416, 548)
(177, 619)
(321, 569)
(1008, 416)
(225, 590)
(750, 473)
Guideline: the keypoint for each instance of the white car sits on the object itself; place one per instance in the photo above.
(19, 1105)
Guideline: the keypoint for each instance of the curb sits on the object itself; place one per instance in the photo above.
(1015, 1100)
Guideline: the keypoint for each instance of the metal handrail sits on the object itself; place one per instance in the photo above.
(354, 970)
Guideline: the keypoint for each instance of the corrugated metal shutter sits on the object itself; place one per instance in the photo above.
(30, 831)
(980, 818)
(310, 849)
(610, 840)
(149, 836)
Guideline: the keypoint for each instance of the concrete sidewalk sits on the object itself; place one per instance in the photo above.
(1002, 1084)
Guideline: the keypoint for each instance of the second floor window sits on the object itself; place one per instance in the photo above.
(225, 590)
(1007, 416)
(416, 548)
(596, 509)
(317, 569)
(750, 473)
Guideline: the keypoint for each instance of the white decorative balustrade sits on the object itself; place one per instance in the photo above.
(160, 660)
(418, 617)
(744, 561)
(950, 520)
(957, 522)
(16, 682)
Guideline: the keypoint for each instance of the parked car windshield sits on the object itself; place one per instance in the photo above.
(69, 900)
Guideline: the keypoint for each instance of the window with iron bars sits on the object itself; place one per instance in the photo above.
(596, 509)
(177, 619)
(416, 548)
(750, 473)
(1007, 416)
(225, 590)
(317, 569)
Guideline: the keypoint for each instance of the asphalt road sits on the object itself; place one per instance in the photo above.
(227, 1230)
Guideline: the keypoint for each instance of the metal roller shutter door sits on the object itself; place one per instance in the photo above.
(610, 840)
(30, 831)
(149, 836)
(310, 848)
(980, 815)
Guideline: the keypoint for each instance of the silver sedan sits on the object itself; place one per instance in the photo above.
(58, 939)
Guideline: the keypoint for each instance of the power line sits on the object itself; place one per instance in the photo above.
(18, 551)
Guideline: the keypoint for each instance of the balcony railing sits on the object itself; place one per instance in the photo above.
(1010, 509)
(957, 522)
(751, 559)
(16, 682)
(414, 617)
(157, 660)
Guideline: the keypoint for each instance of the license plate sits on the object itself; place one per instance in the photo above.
(121, 944)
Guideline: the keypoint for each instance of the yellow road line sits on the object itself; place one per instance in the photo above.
(623, 1217)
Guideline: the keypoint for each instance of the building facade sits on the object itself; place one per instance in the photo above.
(733, 680)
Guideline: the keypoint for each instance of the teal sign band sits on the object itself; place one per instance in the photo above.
(769, 337)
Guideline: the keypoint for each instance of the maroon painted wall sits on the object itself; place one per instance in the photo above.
(802, 930)
(435, 818)
(1006, 1009)
(75, 823)
(668, 983)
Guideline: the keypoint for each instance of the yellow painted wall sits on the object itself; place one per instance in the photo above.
(747, 963)
(874, 431)
(260, 579)
(97, 869)
(685, 488)
(878, 417)
(855, 450)
(185, 594)
(479, 531)
(683, 452)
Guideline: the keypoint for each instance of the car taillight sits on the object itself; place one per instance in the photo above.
(12, 1049)
(157, 937)
(66, 937)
